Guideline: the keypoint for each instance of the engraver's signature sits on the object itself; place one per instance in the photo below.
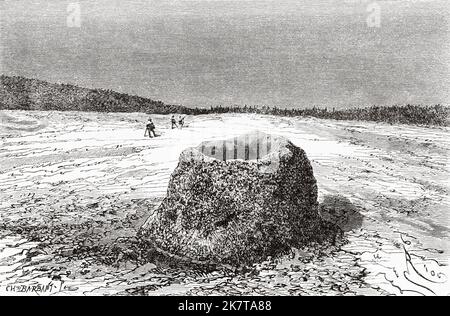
(34, 288)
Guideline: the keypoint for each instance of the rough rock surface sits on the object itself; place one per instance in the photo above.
(238, 201)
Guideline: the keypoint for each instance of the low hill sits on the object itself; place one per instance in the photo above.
(18, 93)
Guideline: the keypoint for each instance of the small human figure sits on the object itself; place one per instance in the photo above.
(174, 122)
(150, 128)
(181, 122)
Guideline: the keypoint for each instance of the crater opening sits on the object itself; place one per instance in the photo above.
(252, 146)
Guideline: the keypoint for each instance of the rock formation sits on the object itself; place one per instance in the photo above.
(238, 201)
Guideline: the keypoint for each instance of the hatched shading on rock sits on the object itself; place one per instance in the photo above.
(238, 201)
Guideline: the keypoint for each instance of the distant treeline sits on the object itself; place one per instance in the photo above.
(405, 114)
(18, 93)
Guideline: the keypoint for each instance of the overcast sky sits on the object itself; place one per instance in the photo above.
(208, 52)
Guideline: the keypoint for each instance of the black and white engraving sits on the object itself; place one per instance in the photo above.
(224, 147)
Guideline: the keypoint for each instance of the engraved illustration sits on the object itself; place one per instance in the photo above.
(224, 147)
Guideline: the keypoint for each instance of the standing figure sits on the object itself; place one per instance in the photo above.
(174, 122)
(181, 121)
(150, 128)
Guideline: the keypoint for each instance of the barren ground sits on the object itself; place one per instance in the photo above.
(75, 187)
